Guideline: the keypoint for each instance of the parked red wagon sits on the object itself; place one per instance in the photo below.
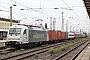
(52, 35)
(59, 35)
(56, 35)
(63, 35)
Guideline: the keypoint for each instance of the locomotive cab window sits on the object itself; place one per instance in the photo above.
(24, 31)
(14, 30)
(71, 35)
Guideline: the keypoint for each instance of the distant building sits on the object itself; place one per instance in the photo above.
(5, 23)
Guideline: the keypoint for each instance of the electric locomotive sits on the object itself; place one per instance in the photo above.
(26, 35)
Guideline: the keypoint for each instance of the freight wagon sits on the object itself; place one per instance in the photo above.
(56, 35)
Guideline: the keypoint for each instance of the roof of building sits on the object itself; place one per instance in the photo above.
(8, 20)
(87, 4)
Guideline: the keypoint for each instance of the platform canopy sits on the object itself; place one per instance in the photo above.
(87, 4)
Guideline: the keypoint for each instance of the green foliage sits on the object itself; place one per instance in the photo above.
(51, 51)
(64, 47)
(22, 49)
(36, 55)
(44, 45)
(56, 50)
(4, 52)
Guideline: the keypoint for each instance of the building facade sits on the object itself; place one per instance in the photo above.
(5, 23)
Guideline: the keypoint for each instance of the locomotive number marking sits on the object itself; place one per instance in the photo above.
(35, 36)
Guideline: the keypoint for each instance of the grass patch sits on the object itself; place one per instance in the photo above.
(56, 50)
(4, 52)
(51, 51)
(64, 47)
(44, 45)
(36, 55)
(22, 49)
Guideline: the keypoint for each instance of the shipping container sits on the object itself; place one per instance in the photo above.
(63, 35)
(54, 35)
(75, 35)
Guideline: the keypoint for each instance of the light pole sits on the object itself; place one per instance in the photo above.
(67, 29)
(11, 16)
(62, 28)
(54, 24)
(50, 23)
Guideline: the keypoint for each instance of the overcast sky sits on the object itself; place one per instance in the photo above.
(74, 11)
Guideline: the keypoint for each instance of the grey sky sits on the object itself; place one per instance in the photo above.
(78, 13)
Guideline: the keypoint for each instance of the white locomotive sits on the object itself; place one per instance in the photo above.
(21, 35)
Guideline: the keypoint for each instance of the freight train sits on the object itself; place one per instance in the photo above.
(28, 35)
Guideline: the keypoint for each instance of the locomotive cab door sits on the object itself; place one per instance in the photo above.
(24, 38)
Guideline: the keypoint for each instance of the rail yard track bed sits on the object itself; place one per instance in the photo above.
(60, 55)
(36, 54)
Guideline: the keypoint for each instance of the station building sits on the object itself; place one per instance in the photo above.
(4, 27)
(5, 23)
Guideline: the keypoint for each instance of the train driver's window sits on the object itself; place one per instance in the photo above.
(24, 31)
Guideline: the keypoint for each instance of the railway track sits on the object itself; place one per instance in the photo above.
(8, 50)
(31, 52)
(13, 50)
(3, 47)
(73, 53)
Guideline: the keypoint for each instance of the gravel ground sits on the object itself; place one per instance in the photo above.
(48, 56)
(45, 56)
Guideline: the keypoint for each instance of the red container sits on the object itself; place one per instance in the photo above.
(63, 35)
(58, 35)
(75, 35)
(52, 35)
(55, 34)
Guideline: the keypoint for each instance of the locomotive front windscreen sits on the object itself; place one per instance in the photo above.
(14, 30)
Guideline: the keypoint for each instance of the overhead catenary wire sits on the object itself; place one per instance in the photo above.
(14, 12)
(69, 7)
(39, 11)
(31, 8)
(40, 6)
(75, 12)
(42, 12)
